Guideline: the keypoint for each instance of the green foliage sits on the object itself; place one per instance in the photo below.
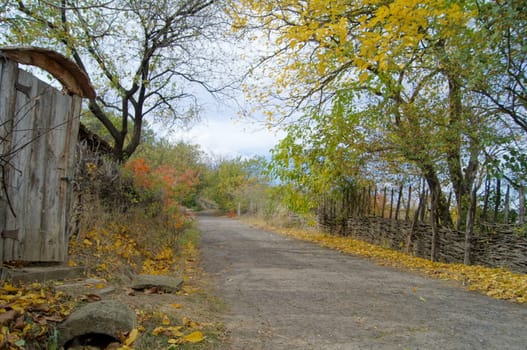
(234, 181)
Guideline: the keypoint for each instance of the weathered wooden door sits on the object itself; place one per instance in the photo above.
(38, 133)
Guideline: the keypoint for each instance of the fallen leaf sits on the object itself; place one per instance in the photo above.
(177, 306)
(8, 316)
(40, 308)
(19, 324)
(194, 337)
(166, 320)
(10, 288)
(132, 337)
(190, 324)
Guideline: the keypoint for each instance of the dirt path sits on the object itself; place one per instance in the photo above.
(286, 294)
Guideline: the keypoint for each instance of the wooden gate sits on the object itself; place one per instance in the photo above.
(38, 133)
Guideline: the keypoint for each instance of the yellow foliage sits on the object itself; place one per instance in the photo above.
(29, 313)
(132, 337)
(116, 246)
(194, 337)
(350, 37)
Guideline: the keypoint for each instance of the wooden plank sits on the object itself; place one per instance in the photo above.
(40, 125)
(22, 116)
(8, 71)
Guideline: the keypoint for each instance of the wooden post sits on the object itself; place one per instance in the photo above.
(375, 200)
(363, 202)
(497, 202)
(368, 201)
(391, 203)
(521, 207)
(486, 200)
(433, 220)
(506, 208)
(408, 203)
(414, 222)
(398, 202)
(383, 202)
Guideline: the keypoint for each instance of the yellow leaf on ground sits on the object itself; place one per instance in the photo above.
(177, 306)
(166, 320)
(10, 288)
(134, 333)
(194, 337)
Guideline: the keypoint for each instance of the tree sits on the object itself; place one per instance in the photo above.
(407, 65)
(233, 182)
(503, 59)
(147, 59)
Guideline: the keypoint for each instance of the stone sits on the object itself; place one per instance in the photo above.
(43, 273)
(86, 286)
(108, 318)
(165, 284)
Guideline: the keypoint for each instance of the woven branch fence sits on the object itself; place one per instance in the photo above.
(391, 218)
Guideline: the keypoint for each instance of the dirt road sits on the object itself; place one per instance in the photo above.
(286, 294)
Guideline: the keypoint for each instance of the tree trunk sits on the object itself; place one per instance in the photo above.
(443, 212)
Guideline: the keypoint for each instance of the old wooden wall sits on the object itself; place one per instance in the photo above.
(38, 132)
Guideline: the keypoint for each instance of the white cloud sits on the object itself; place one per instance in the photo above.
(227, 137)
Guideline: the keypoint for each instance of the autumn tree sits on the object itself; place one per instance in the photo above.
(397, 71)
(146, 59)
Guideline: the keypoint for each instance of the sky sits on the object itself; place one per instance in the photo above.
(228, 137)
(222, 132)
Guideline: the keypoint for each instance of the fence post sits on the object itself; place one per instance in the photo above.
(506, 208)
(383, 202)
(497, 202)
(375, 200)
(398, 202)
(521, 207)
(407, 214)
(368, 212)
(470, 227)
(391, 203)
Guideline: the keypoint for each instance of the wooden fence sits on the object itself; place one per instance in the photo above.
(391, 218)
(38, 133)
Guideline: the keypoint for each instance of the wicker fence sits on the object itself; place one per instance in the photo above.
(494, 245)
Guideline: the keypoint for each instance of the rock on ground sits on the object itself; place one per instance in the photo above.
(165, 284)
(107, 317)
